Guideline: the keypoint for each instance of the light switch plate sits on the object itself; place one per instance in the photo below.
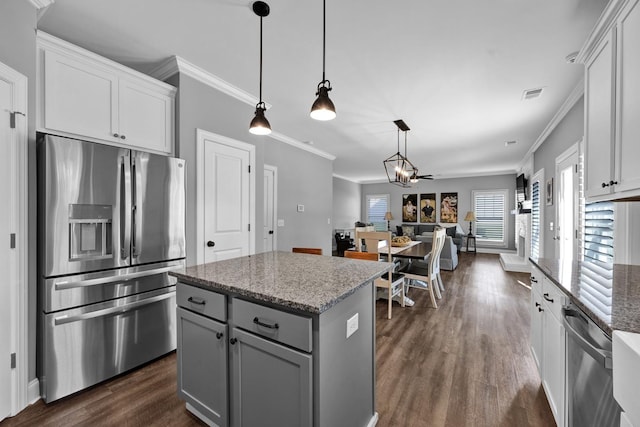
(352, 325)
(281, 223)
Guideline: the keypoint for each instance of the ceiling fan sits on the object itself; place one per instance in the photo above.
(415, 177)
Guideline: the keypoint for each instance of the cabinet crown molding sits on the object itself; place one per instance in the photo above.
(603, 26)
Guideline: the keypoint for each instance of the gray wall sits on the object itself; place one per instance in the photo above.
(303, 178)
(569, 131)
(463, 186)
(18, 51)
(347, 196)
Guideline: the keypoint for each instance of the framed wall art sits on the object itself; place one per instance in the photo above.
(409, 208)
(428, 208)
(550, 191)
(449, 207)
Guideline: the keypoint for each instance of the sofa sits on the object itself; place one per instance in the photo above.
(452, 243)
(453, 230)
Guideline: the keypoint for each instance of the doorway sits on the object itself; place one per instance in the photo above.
(567, 196)
(225, 198)
(13, 229)
(269, 236)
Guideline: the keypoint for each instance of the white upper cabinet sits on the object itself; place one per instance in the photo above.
(83, 95)
(612, 88)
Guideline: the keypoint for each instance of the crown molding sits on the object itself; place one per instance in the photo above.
(41, 4)
(566, 106)
(602, 27)
(176, 64)
(301, 145)
(440, 177)
(344, 178)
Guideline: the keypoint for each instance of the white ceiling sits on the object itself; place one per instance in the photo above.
(454, 70)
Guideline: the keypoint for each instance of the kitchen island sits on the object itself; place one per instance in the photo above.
(278, 339)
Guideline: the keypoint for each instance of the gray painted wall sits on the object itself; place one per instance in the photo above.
(347, 196)
(18, 51)
(463, 186)
(569, 131)
(303, 178)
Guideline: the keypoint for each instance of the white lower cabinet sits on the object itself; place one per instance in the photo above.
(548, 341)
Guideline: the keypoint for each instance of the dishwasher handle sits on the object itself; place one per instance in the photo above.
(603, 357)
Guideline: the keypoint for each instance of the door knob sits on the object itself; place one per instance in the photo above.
(211, 244)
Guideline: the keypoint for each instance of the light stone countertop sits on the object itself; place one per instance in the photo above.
(310, 283)
(614, 307)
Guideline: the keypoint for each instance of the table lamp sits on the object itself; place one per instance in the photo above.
(388, 217)
(471, 217)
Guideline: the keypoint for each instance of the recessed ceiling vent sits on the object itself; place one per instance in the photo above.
(531, 94)
(508, 143)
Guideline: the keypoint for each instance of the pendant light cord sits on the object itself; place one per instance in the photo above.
(260, 61)
(324, 37)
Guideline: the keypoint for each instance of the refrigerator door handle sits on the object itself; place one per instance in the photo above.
(134, 208)
(125, 207)
(112, 279)
(61, 320)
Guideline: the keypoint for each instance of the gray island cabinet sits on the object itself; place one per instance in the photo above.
(278, 339)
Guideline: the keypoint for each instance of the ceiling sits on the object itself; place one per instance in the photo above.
(454, 71)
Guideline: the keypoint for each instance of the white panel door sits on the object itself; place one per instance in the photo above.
(269, 228)
(78, 98)
(567, 207)
(226, 201)
(5, 253)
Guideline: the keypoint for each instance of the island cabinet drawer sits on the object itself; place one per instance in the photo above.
(553, 297)
(203, 301)
(287, 328)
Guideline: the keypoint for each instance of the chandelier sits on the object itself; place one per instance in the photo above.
(400, 171)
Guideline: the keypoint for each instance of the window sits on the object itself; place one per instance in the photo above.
(491, 212)
(377, 206)
(535, 219)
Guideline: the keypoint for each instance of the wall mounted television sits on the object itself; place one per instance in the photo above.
(521, 188)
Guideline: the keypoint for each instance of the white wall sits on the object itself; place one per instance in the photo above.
(346, 203)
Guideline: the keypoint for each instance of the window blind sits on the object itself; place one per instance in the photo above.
(490, 213)
(596, 272)
(377, 207)
(535, 219)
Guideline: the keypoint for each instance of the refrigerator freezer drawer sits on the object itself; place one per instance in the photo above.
(84, 346)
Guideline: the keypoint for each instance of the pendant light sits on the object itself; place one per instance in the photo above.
(260, 125)
(323, 108)
(398, 167)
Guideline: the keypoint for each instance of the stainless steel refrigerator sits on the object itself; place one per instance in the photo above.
(111, 224)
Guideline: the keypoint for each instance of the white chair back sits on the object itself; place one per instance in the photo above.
(439, 236)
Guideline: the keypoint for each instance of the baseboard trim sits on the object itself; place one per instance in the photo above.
(33, 391)
(201, 417)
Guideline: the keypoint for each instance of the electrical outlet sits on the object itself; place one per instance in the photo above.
(300, 208)
(352, 325)
(281, 223)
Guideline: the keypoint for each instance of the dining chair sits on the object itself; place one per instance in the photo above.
(431, 275)
(313, 251)
(376, 241)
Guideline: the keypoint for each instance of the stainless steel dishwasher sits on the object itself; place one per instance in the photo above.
(590, 399)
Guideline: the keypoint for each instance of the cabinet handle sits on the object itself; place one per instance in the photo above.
(613, 182)
(123, 137)
(195, 300)
(116, 135)
(266, 325)
(537, 304)
(219, 335)
(534, 280)
(546, 296)
(540, 309)
(232, 341)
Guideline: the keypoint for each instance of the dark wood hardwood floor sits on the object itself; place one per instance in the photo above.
(466, 363)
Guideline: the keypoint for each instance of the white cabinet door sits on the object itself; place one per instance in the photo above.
(599, 91)
(554, 365)
(537, 315)
(628, 92)
(145, 117)
(79, 98)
